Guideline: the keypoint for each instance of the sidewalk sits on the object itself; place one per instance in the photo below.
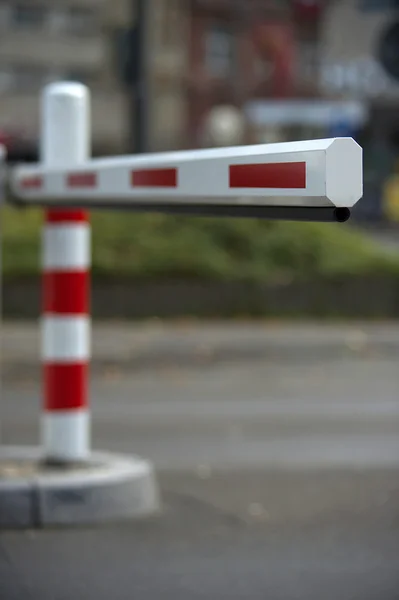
(129, 345)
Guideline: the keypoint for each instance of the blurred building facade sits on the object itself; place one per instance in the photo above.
(49, 40)
(199, 54)
(295, 69)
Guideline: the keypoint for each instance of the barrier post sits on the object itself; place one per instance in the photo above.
(65, 322)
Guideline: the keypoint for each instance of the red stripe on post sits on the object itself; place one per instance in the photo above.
(65, 386)
(81, 180)
(154, 178)
(66, 216)
(271, 175)
(32, 183)
(66, 292)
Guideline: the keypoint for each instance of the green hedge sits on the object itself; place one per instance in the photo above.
(158, 246)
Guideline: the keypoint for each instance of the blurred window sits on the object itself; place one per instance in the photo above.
(73, 21)
(219, 50)
(80, 21)
(28, 16)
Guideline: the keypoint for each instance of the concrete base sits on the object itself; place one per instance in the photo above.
(108, 488)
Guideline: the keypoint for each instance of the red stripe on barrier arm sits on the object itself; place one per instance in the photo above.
(270, 175)
(65, 386)
(66, 292)
(32, 183)
(66, 216)
(81, 180)
(154, 178)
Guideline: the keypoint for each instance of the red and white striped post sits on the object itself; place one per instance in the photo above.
(65, 326)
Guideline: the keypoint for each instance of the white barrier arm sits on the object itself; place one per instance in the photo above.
(258, 180)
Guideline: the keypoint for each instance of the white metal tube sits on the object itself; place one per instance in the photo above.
(65, 323)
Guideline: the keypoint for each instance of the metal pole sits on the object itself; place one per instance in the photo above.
(65, 323)
(139, 91)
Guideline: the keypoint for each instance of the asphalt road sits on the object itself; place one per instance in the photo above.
(280, 480)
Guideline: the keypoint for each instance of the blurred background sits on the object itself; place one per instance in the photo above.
(171, 74)
(275, 436)
(291, 69)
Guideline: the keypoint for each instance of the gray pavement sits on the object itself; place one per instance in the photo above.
(279, 471)
(219, 558)
(128, 346)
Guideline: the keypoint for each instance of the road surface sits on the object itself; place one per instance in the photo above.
(280, 479)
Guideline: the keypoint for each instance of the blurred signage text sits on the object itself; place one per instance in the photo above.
(362, 76)
(324, 113)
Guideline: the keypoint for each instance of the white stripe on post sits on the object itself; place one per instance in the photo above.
(65, 323)
(66, 246)
(66, 433)
(65, 339)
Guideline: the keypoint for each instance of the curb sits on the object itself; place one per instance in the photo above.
(108, 488)
(346, 296)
